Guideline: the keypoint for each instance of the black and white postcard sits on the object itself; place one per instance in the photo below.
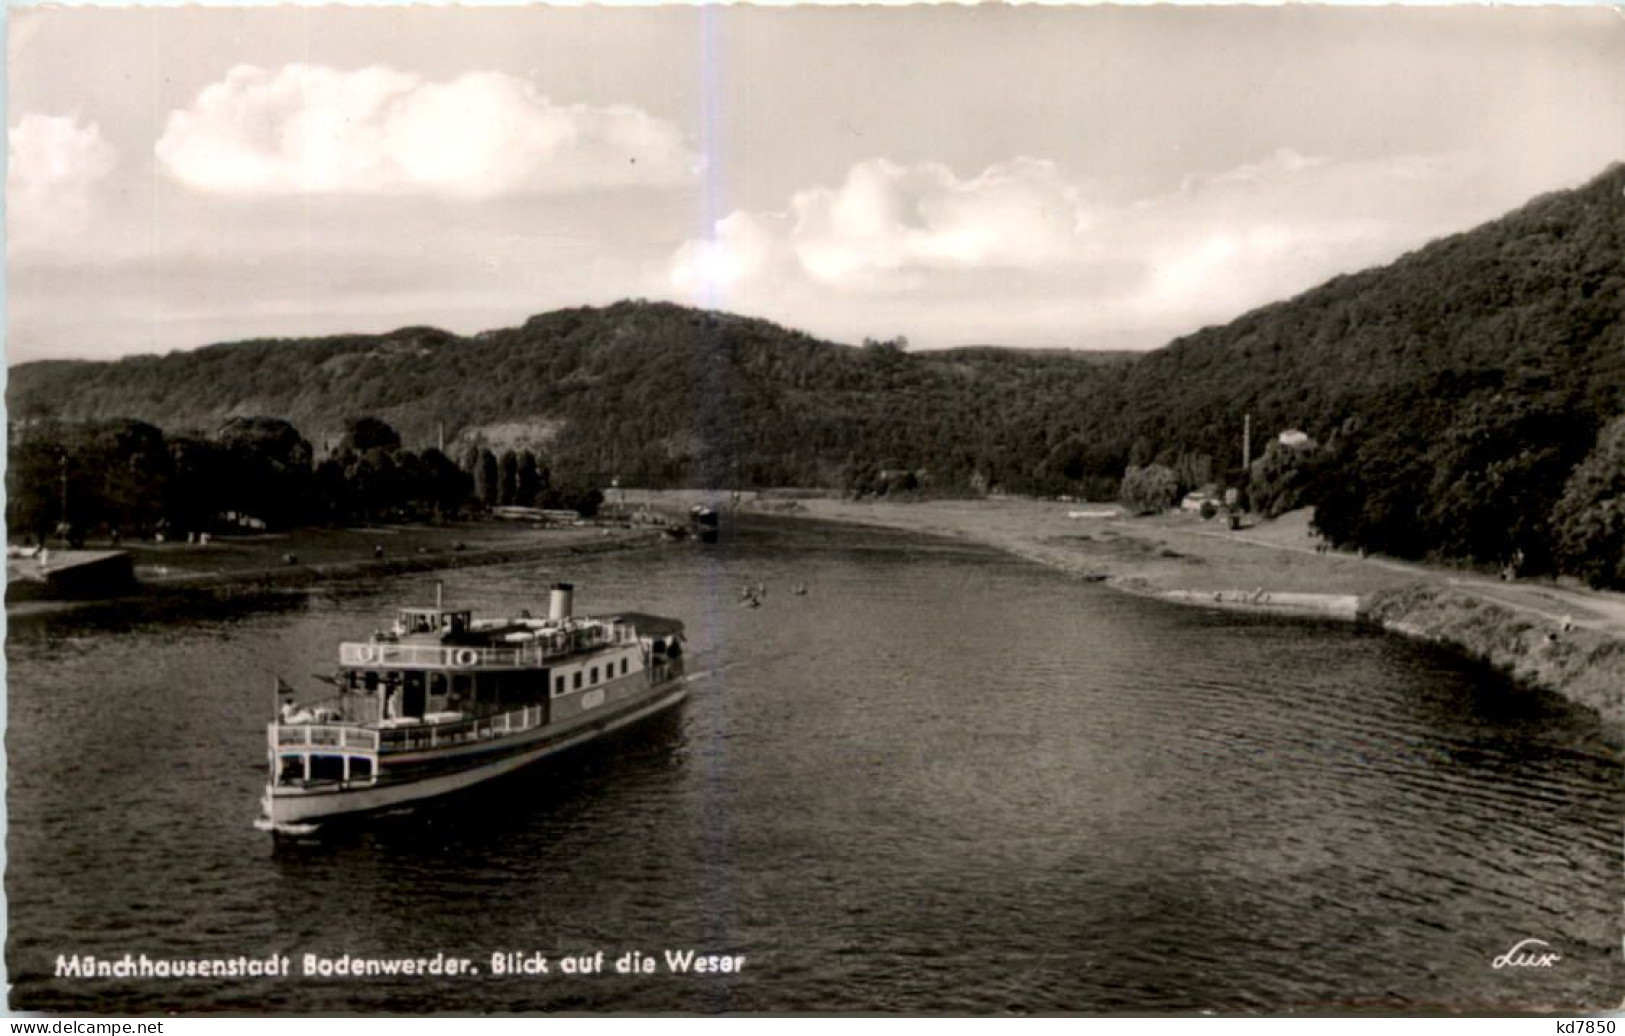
(988, 510)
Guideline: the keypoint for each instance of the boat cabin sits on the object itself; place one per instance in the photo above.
(434, 622)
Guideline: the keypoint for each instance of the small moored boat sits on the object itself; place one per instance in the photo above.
(444, 701)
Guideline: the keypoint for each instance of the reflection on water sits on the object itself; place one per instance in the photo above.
(942, 780)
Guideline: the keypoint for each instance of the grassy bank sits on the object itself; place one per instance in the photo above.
(1584, 665)
(228, 566)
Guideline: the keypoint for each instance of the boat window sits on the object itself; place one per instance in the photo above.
(290, 769)
(437, 684)
(558, 686)
(326, 767)
(360, 767)
(370, 678)
(623, 666)
(414, 681)
(594, 674)
(578, 680)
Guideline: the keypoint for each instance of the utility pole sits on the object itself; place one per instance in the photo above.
(1247, 442)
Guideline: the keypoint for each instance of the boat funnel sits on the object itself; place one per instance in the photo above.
(558, 607)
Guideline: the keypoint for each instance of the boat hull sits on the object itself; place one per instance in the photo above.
(297, 809)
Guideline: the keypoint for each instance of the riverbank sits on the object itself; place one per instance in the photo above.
(232, 566)
(1559, 638)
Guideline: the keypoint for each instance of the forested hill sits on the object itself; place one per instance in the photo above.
(652, 392)
(1533, 302)
(1456, 397)
(1453, 392)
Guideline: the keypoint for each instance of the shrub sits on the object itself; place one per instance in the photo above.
(1149, 490)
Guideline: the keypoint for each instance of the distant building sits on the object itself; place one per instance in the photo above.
(1194, 500)
(1294, 438)
(903, 478)
(241, 520)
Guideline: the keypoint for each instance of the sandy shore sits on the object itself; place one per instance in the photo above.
(1176, 555)
(1181, 556)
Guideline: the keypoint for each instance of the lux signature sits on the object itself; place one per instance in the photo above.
(1526, 954)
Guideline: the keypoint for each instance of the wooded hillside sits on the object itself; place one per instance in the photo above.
(1451, 397)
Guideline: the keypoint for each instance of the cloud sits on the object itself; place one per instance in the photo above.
(54, 165)
(1023, 246)
(887, 227)
(310, 129)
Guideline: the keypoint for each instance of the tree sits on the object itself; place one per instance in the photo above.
(861, 477)
(1141, 453)
(528, 480)
(374, 482)
(446, 485)
(1372, 494)
(487, 477)
(413, 493)
(33, 494)
(198, 469)
(1149, 490)
(508, 487)
(1589, 519)
(369, 433)
(269, 468)
(331, 490)
(1498, 471)
(1284, 478)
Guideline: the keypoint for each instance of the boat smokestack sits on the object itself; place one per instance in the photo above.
(558, 608)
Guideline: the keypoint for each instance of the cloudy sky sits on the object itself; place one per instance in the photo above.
(1085, 178)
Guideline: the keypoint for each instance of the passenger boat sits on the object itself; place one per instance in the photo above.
(443, 701)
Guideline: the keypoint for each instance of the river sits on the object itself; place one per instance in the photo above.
(943, 780)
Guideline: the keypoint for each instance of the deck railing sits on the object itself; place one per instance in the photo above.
(441, 735)
(321, 735)
(437, 656)
(413, 736)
